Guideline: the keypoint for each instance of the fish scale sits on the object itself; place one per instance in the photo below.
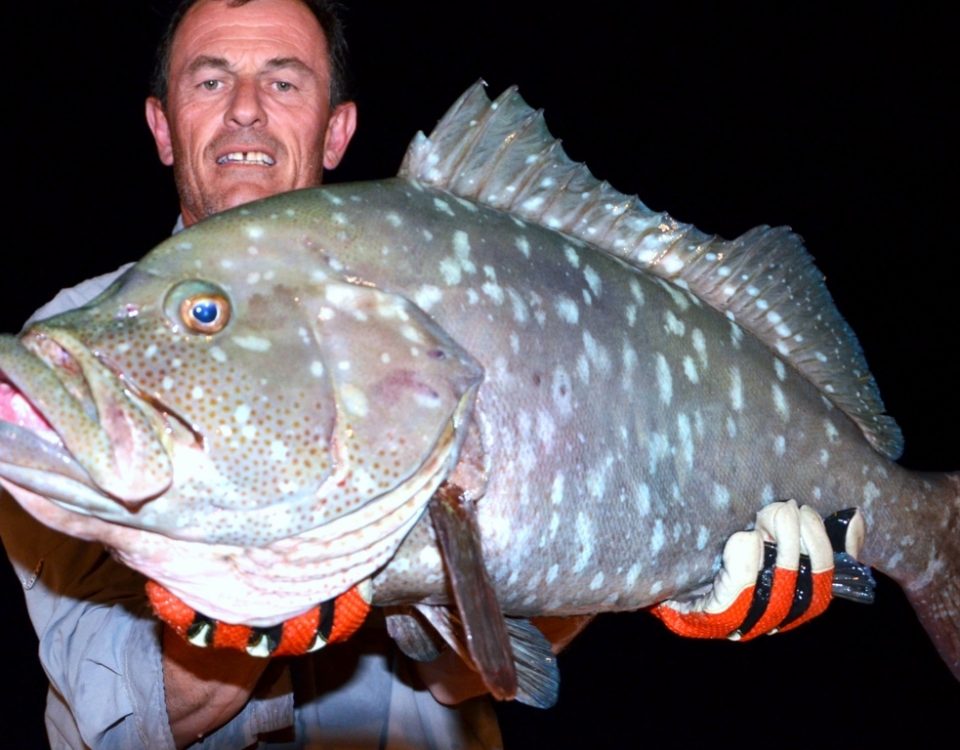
(614, 392)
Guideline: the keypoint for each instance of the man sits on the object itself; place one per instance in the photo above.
(248, 102)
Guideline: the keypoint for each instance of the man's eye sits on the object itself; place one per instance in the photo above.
(211, 84)
(283, 86)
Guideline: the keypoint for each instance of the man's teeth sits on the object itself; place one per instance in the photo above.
(247, 157)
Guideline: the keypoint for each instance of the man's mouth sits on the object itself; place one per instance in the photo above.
(257, 158)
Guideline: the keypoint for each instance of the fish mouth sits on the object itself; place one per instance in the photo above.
(246, 157)
(75, 431)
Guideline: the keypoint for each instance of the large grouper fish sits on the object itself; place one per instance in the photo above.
(257, 414)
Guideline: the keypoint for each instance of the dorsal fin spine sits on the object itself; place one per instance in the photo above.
(499, 153)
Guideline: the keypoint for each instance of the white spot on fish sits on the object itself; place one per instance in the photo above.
(514, 342)
(316, 369)
(673, 324)
(522, 244)
(678, 297)
(393, 218)
(552, 573)
(721, 496)
(253, 277)
(252, 343)
(443, 207)
(494, 291)
(766, 494)
(567, 310)
(632, 575)
(686, 439)
(658, 537)
(583, 368)
(664, 379)
(637, 291)
(731, 426)
(226, 263)
(343, 365)
(561, 389)
(779, 445)
(546, 427)
(656, 587)
(831, 431)
(870, 493)
(779, 368)
(736, 335)
(254, 232)
(241, 414)
(167, 383)
(630, 361)
(430, 557)
(780, 403)
(427, 296)
(699, 346)
(532, 204)
(631, 314)
(596, 353)
(554, 525)
(690, 370)
(585, 536)
(736, 389)
(642, 498)
(703, 536)
(658, 448)
(572, 256)
(410, 333)
(824, 457)
(597, 581)
(334, 199)
(450, 270)
(151, 351)
(593, 280)
(196, 393)
(472, 296)
(519, 306)
(278, 450)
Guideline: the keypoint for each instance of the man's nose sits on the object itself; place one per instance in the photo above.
(246, 108)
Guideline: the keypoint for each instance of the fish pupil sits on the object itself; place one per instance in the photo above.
(205, 312)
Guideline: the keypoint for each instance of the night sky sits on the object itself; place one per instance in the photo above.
(835, 122)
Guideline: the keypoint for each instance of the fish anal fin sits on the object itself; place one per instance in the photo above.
(485, 632)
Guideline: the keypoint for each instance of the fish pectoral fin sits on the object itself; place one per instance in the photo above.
(777, 576)
(486, 638)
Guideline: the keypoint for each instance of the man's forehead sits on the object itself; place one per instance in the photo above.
(261, 31)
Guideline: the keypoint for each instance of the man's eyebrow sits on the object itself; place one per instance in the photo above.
(208, 61)
(282, 63)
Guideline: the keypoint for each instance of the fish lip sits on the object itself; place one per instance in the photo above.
(66, 394)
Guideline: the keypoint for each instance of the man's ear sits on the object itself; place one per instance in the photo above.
(157, 122)
(343, 121)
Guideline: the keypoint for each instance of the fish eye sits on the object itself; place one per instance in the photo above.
(205, 313)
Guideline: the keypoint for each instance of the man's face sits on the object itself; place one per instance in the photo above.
(248, 105)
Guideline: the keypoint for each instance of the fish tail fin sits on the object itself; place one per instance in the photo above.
(935, 595)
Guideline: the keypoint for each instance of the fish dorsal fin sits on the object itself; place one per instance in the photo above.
(501, 154)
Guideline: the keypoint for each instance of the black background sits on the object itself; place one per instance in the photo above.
(838, 121)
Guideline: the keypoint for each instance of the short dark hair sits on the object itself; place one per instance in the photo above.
(327, 13)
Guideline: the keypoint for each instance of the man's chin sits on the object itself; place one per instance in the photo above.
(246, 193)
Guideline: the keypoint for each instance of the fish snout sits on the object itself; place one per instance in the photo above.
(115, 436)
